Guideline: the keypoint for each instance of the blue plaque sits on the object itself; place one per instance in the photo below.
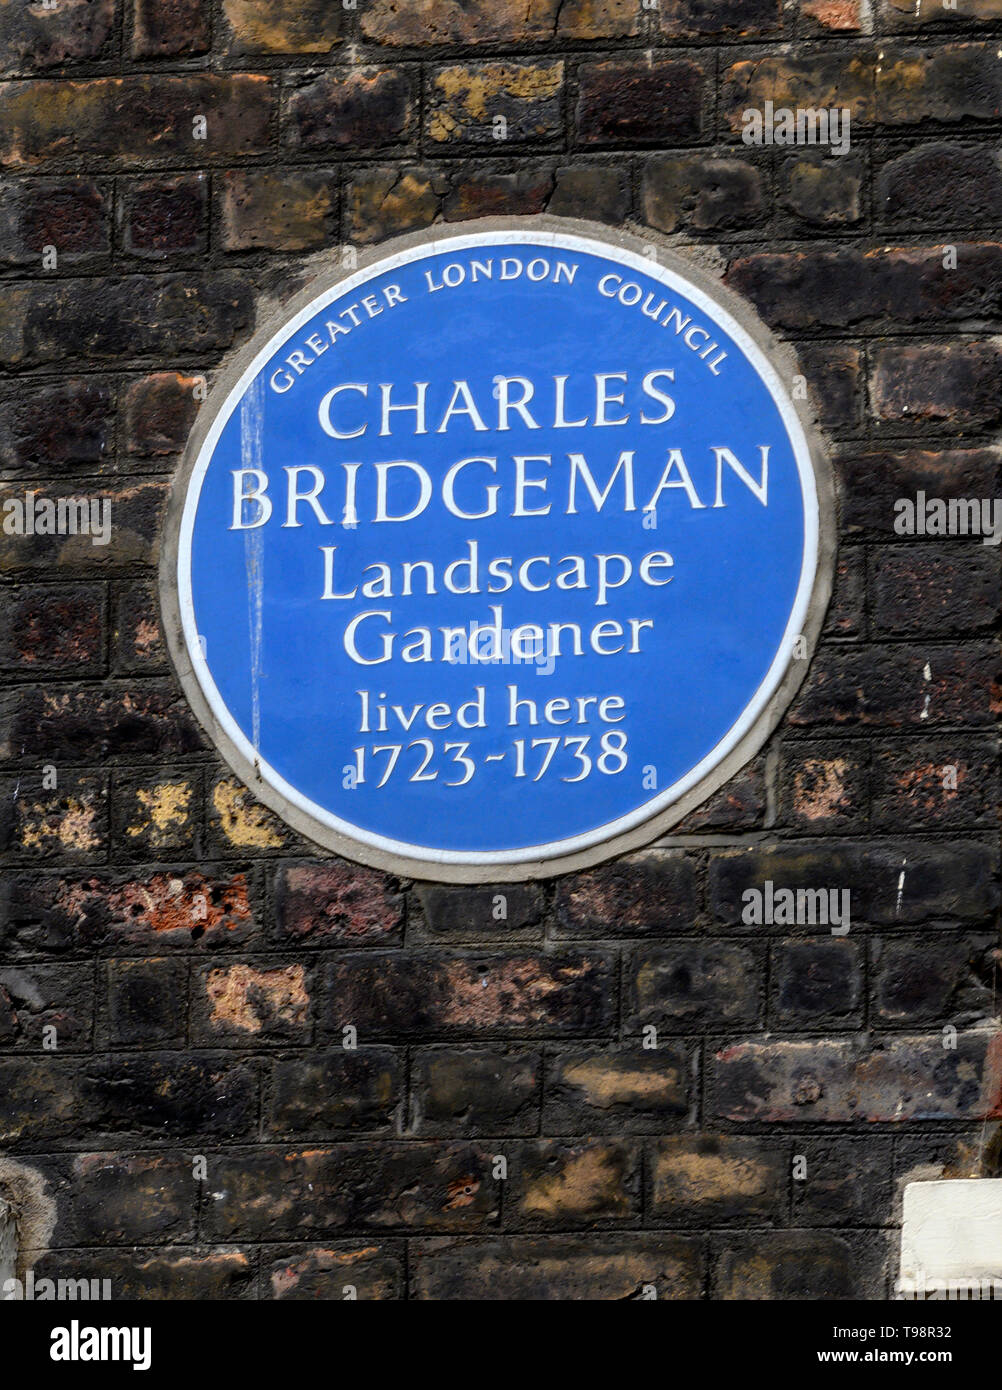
(499, 553)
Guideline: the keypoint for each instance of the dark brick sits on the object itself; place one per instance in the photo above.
(701, 193)
(570, 1184)
(164, 216)
(591, 191)
(58, 426)
(924, 588)
(847, 1182)
(871, 482)
(46, 1008)
(147, 1003)
(39, 1099)
(357, 109)
(650, 894)
(639, 103)
(53, 628)
(942, 881)
(85, 724)
(833, 383)
(956, 382)
(509, 911)
(33, 38)
(81, 527)
(690, 984)
(942, 185)
(283, 26)
(470, 996)
(914, 14)
(816, 983)
(936, 784)
(790, 1266)
(895, 1080)
(480, 192)
(169, 28)
(534, 1268)
(592, 1090)
(179, 1095)
(892, 687)
(904, 285)
(279, 209)
(187, 1273)
(711, 1180)
(276, 1195)
(337, 1092)
(337, 903)
(70, 216)
(739, 804)
(824, 191)
(467, 1093)
(951, 84)
(846, 615)
(336, 1271)
(133, 317)
(463, 103)
(729, 18)
(919, 980)
(936, 1154)
(158, 414)
(134, 119)
(123, 1199)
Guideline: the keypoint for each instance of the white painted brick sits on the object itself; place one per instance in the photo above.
(952, 1230)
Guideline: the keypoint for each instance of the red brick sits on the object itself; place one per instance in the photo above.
(161, 216)
(337, 903)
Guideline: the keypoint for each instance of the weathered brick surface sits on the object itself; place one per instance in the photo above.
(464, 104)
(35, 37)
(711, 1180)
(559, 995)
(67, 221)
(164, 216)
(362, 109)
(591, 1087)
(134, 119)
(558, 1267)
(279, 211)
(903, 1078)
(169, 28)
(636, 103)
(59, 426)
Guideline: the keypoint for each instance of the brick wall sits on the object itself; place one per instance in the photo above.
(177, 969)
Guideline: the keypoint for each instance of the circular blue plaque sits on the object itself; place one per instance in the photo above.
(495, 555)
